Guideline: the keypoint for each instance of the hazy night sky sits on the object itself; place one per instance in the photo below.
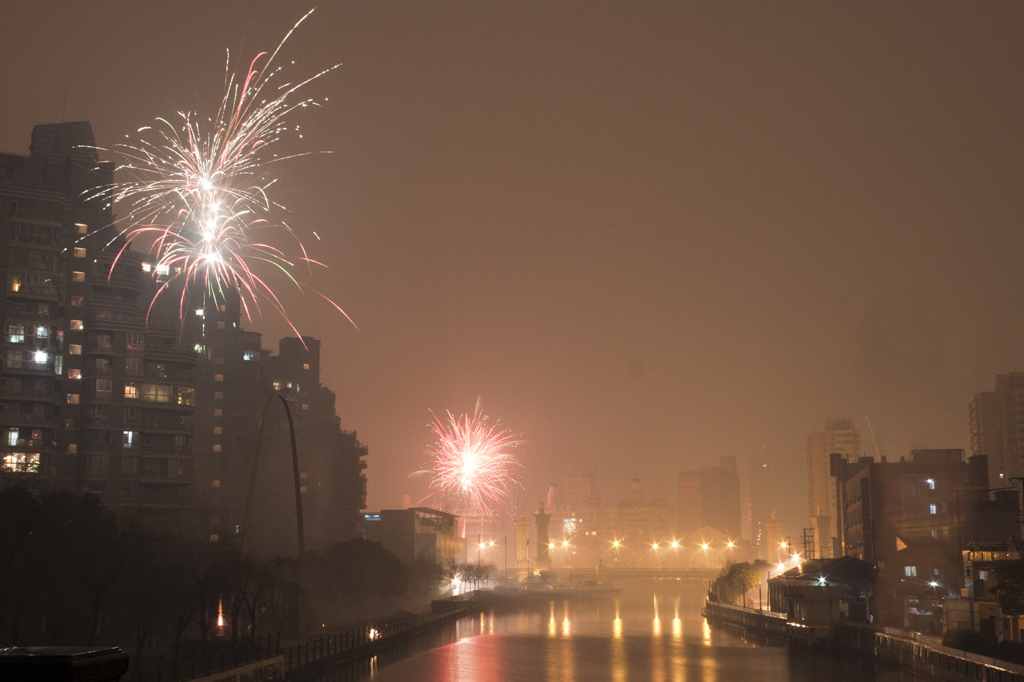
(651, 234)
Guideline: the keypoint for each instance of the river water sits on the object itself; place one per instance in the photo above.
(640, 634)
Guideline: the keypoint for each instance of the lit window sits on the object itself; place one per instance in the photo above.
(81, 228)
(217, 395)
(163, 269)
(220, 325)
(72, 398)
(72, 448)
(131, 390)
(222, 308)
(76, 325)
(218, 412)
(42, 333)
(251, 355)
(216, 484)
(216, 447)
(77, 276)
(931, 483)
(305, 406)
(277, 385)
(75, 349)
(24, 462)
(305, 365)
(187, 396)
(41, 357)
(11, 437)
(16, 333)
(14, 283)
(79, 252)
(147, 267)
(218, 377)
(217, 430)
(933, 509)
(74, 373)
(131, 439)
(199, 312)
(910, 571)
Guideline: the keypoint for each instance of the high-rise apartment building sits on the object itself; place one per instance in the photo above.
(95, 396)
(155, 408)
(840, 436)
(235, 378)
(997, 428)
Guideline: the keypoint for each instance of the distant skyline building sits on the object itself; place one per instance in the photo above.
(766, 489)
(579, 483)
(997, 427)
(710, 497)
(839, 436)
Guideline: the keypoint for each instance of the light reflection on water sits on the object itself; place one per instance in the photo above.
(618, 638)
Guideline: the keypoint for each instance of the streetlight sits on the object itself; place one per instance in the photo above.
(675, 546)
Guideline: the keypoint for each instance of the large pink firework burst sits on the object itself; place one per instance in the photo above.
(473, 462)
(199, 191)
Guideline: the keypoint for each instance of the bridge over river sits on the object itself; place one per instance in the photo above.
(605, 574)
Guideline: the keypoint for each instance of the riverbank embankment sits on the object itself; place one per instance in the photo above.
(885, 646)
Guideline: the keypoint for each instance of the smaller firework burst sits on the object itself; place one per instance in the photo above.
(473, 462)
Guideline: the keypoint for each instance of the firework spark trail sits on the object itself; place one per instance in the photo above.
(473, 462)
(198, 191)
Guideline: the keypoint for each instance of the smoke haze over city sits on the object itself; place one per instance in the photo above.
(647, 235)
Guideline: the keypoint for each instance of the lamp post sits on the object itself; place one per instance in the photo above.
(301, 558)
